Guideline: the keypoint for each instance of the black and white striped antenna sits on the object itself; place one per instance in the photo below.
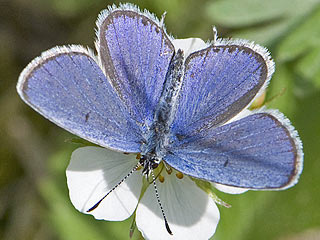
(155, 189)
(160, 205)
(117, 185)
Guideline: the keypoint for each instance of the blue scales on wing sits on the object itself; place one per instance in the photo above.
(259, 151)
(135, 53)
(256, 152)
(218, 83)
(109, 100)
(68, 87)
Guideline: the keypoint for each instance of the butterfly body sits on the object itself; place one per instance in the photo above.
(159, 135)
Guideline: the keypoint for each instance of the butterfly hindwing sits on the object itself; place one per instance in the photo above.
(260, 151)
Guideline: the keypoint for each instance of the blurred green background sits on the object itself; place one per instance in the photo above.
(34, 201)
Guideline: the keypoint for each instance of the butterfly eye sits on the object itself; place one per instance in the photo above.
(142, 159)
(155, 165)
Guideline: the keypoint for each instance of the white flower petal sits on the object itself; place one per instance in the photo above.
(92, 172)
(243, 113)
(190, 212)
(189, 45)
(229, 189)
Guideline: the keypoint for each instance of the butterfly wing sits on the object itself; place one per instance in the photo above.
(135, 53)
(260, 151)
(219, 82)
(66, 85)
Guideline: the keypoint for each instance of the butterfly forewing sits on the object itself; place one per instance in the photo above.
(67, 86)
(135, 53)
(218, 83)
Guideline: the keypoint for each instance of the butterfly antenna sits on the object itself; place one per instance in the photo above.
(215, 35)
(156, 175)
(160, 205)
(117, 185)
(162, 19)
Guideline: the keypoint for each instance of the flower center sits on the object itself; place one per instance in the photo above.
(160, 169)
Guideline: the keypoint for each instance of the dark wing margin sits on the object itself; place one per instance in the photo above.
(135, 53)
(261, 151)
(219, 82)
(67, 86)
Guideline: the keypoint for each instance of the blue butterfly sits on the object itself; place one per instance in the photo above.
(141, 95)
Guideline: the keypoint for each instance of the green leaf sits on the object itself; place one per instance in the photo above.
(72, 7)
(264, 22)
(235, 13)
(236, 222)
(280, 94)
(264, 35)
(302, 40)
(309, 67)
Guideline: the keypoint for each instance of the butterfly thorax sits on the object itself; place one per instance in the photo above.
(159, 134)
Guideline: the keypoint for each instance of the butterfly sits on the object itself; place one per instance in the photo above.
(142, 95)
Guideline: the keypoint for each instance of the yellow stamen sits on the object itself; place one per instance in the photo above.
(179, 175)
(138, 156)
(169, 170)
(161, 178)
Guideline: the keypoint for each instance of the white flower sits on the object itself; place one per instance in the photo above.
(191, 212)
(93, 171)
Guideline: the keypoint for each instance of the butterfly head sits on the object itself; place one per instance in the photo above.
(149, 162)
